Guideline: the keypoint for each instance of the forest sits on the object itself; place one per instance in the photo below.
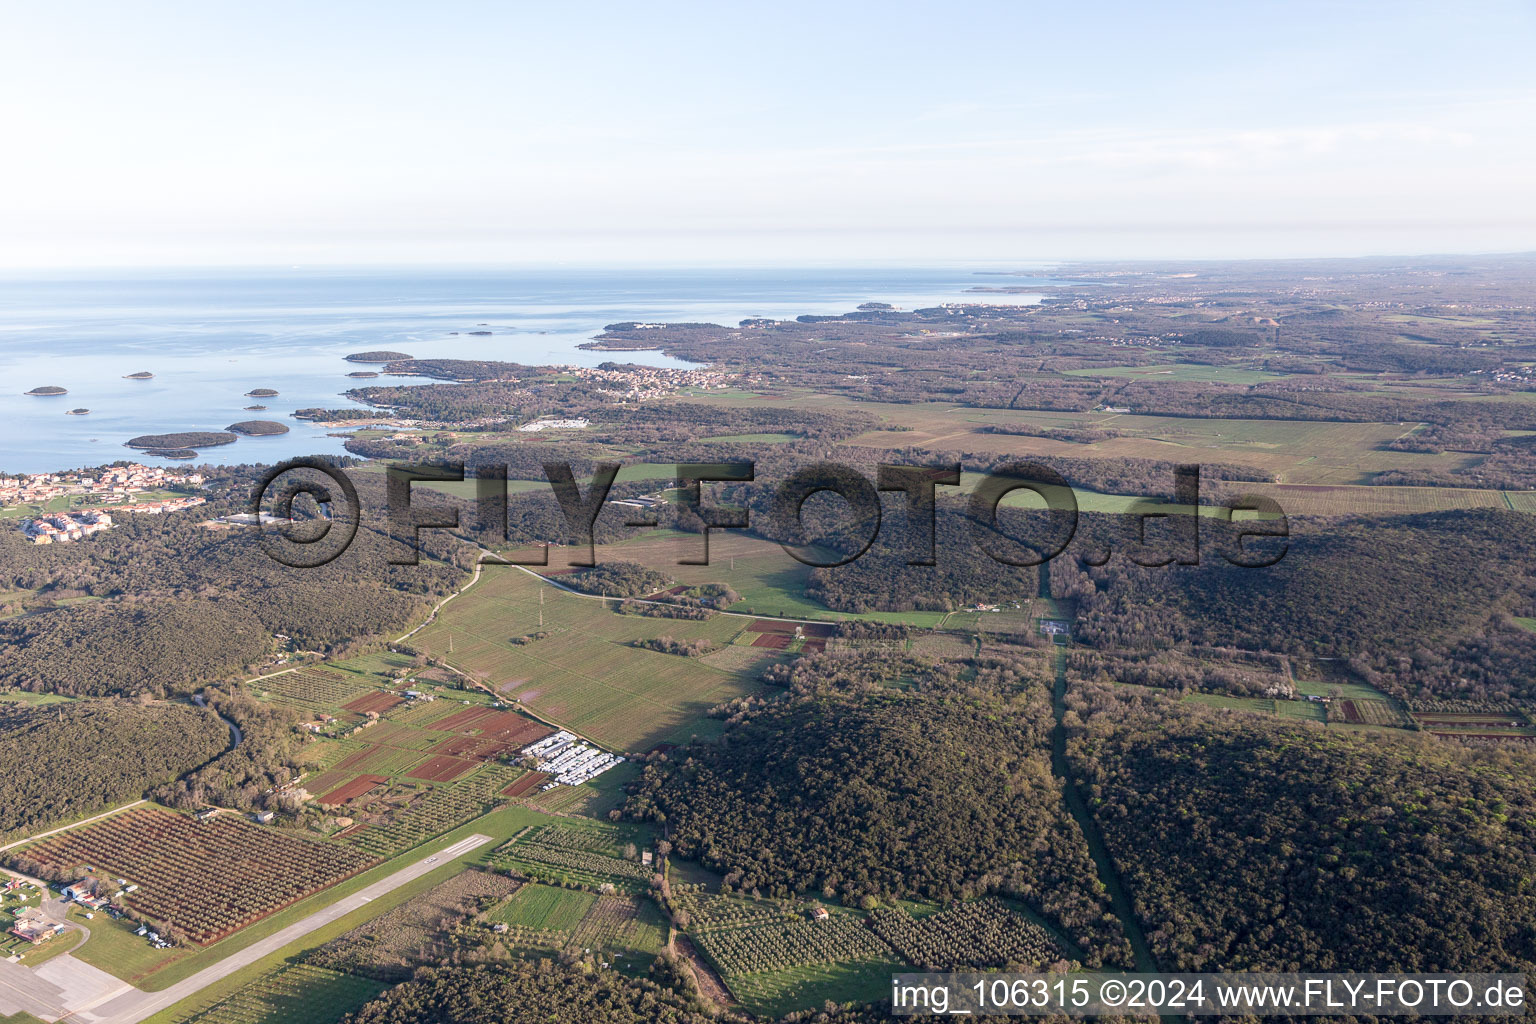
(1251, 845)
(846, 787)
(162, 605)
(71, 759)
(1417, 604)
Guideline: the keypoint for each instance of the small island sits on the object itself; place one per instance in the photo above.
(380, 356)
(141, 375)
(78, 412)
(261, 393)
(258, 428)
(362, 373)
(184, 439)
(48, 391)
(171, 453)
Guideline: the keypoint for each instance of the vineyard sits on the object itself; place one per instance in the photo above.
(202, 880)
(421, 713)
(543, 909)
(436, 812)
(310, 689)
(291, 994)
(619, 923)
(774, 947)
(581, 856)
(542, 916)
(419, 931)
(983, 933)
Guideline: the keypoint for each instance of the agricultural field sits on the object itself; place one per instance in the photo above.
(1341, 500)
(1373, 712)
(1181, 372)
(1489, 724)
(1304, 710)
(199, 880)
(544, 908)
(545, 917)
(708, 913)
(289, 994)
(980, 934)
(415, 933)
(583, 856)
(310, 689)
(776, 993)
(584, 674)
(781, 945)
(1296, 451)
(421, 713)
(434, 812)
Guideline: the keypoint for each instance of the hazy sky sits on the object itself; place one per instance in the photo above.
(382, 131)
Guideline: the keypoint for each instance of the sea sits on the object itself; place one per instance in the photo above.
(211, 336)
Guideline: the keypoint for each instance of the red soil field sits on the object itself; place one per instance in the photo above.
(1351, 713)
(777, 641)
(814, 645)
(525, 785)
(441, 769)
(375, 702)
(352, 790)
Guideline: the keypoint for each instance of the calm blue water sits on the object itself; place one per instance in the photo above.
(209, 337)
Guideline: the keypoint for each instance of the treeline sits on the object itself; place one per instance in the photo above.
(847, 788)
(617, 579)
(248, 776)
(1253, 845)
(69, 760)
(696, 648)
(540, 991)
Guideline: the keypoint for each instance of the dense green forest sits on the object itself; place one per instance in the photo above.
(1251, 845)
(1416, 603)
(173, 605)
(68, 760)
(541, 991)
(847, 788)
(252, 775)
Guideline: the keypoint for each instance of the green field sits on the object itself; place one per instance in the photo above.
(776, 993)
(290, 994)
(585, 674)
(544, 908)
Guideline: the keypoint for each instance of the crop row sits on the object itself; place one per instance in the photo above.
(706, 912)
(202, 880)
(774, 947)
(445, 808)
(295, 994)
(983, 933)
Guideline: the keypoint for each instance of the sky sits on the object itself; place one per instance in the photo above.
(282, 133)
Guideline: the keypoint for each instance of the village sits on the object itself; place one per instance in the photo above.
(110, 484)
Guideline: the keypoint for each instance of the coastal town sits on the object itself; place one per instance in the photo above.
(114, 487)
(109, 485)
